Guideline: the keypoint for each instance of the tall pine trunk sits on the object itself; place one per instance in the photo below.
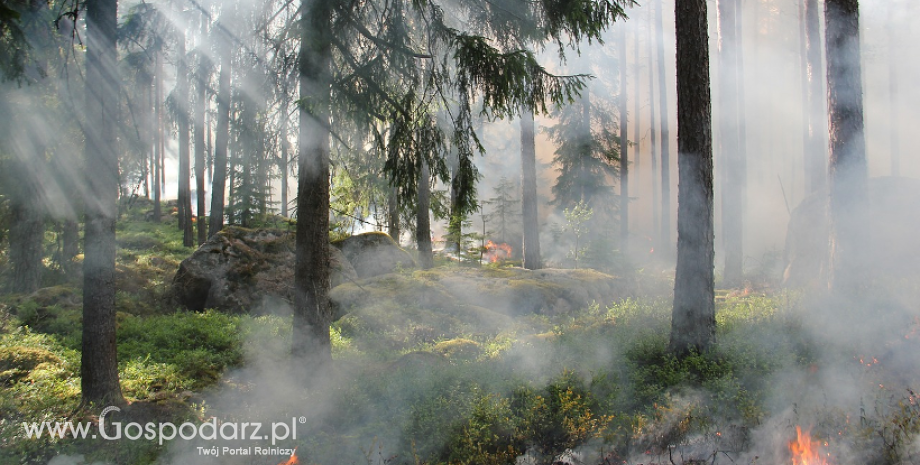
(624, 146)
(654, 122)
(422, 219)
(848, 168)
(455, 220)
(201, 96)
(393, 213)
(284, 157)
(219, 178)
(27, 224)
(733, 169)
(531, 223)
(312, 313)
(637, 135)
(742, 124)
(816, 161)
(70, 237)
(99, 358)
(693, 321)
(158, 136)
(893, 102)
(665, 233)
(185, 188)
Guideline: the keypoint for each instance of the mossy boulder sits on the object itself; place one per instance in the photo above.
(17, 362)
(374, 253)
(459, 349)
(62, 296)
(246, 270)
(518, 291)
(444, 304)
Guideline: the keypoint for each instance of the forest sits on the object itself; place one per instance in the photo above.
(524, 232)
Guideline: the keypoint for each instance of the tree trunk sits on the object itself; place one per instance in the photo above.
(312, 314)
(283, 161)
(637, 114)
(27, 227)
(732, 192)
(653, 41)
(893, 103)
(693, 319)
(742, 124)
(531, 223)
(817, 113)
(393, 213)
(422, 219)
(158, 135)
(806, 116)
(624, 147)
(71, 244)
(201, 77)
(185, 189)
(665, 234)
(219, 178)
(848, 169)
(99, 358)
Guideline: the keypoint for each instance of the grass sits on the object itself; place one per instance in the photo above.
(420, 382)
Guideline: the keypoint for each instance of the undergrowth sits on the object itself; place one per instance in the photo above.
(415, 385)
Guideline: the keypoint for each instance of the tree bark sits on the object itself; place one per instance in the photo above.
(201, 77)
(185, 188)
(666, 247)
(312, 314)
(99, 357)
(158, 136)
(734, 174)
(624, 146)
(653, 42)
(637, 114)
(393, 213)
(893, 102)
(71, 243)
(27, 227)
(219, 178)
(693, 318)
(531, 223)
(283, 161)
(422, 219)
(817, 113)
(848, 174)
(742, 124)
(455, 222)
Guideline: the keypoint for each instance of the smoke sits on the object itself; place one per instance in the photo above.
(858, 357)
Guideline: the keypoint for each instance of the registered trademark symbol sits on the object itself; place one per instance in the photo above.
(302, 420)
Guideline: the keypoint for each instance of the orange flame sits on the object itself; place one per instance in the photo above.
(805, 450)
(293, 460)
(495, 252)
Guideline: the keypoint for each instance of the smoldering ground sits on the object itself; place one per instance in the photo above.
(840, 369)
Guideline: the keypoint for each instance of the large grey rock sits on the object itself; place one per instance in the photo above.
(374, 253)
(894, 223)
(246, 270)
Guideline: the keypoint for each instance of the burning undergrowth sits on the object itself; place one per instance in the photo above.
(420, 377)
(591, 386)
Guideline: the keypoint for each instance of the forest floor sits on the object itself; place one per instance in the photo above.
(411, 385)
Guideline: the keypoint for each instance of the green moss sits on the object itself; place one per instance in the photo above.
(17, 362)
(459, 349)
(200, 345)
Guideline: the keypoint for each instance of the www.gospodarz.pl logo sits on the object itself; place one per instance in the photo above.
(210, 430)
